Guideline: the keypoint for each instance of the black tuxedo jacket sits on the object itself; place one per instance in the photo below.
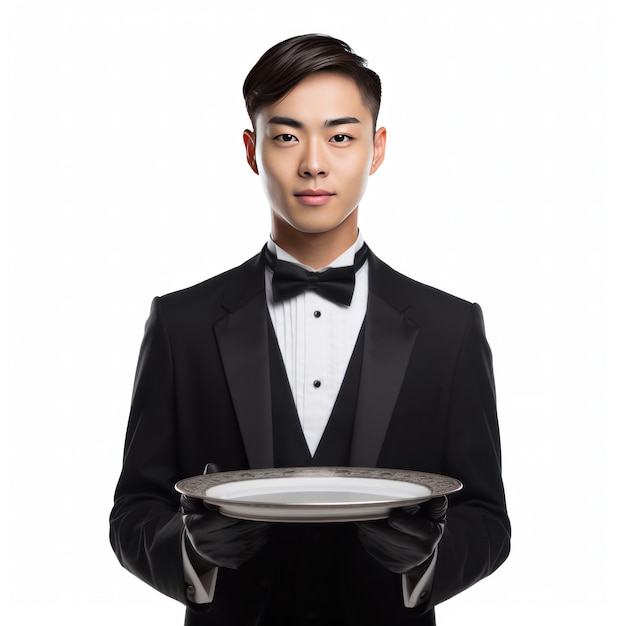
(426, 402)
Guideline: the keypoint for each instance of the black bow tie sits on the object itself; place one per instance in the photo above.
(335, 284)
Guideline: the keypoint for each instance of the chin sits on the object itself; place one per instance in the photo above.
(318, 229)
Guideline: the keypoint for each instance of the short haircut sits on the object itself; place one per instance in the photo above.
(284, 65)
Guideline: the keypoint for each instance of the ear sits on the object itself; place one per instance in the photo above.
(249, 140)
(380, 141)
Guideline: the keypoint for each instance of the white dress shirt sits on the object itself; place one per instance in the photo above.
(316, 339)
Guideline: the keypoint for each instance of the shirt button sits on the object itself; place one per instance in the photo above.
(317, 383)
(317, 314)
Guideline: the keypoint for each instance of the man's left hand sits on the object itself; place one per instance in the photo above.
(405, 543)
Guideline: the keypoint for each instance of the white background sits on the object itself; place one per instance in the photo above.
(123, 177)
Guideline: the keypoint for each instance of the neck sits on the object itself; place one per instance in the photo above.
(316, 249)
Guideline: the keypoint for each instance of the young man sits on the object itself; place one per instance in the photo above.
(256, 368)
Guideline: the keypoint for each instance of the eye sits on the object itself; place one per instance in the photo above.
(340, 138)
(286, 138)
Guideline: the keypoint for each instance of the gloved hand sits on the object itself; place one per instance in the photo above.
(405, 543)
(214, 540)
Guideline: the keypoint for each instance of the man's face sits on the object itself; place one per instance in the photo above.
(314, 151)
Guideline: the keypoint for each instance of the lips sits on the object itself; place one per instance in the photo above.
(314, 197)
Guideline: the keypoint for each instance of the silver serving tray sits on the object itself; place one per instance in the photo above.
(316, 494)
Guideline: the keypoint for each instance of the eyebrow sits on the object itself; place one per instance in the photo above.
(288, 121)
(340, 121)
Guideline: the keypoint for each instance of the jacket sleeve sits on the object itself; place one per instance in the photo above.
(477, 537)
(145, 524)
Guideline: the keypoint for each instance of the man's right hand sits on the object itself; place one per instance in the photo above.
(214, 540)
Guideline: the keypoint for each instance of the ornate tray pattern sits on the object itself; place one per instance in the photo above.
(214, 489)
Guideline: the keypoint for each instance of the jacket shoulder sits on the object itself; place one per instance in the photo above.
(210, 297)
(391, 284)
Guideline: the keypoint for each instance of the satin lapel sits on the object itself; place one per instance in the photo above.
(243, 342)
(389, 339)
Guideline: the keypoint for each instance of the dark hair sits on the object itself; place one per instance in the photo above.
(284, 65)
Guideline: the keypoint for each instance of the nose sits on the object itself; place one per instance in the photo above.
(313, 162)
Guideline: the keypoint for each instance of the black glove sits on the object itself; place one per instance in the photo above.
(214, 540)
(405, 543)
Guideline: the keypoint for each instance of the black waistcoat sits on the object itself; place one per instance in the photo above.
(308, 563)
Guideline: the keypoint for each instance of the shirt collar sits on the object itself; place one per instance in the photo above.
(344, 259)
